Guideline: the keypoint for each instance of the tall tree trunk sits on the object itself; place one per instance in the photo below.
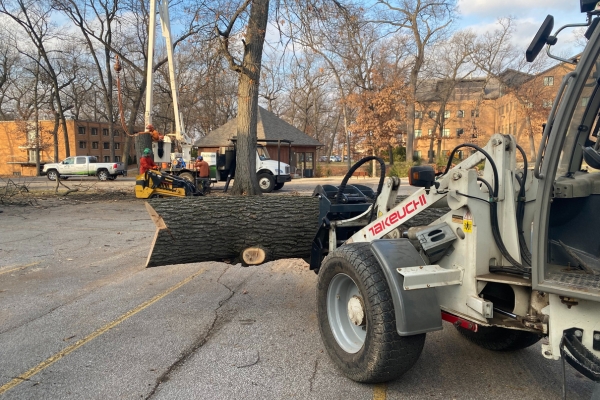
(245, 175)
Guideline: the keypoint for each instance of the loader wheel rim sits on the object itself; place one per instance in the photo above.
(344, 309)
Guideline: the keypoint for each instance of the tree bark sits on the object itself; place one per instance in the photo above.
(218, 228)
(245, 175)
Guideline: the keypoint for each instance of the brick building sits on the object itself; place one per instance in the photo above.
(18, 144)
(516, 104)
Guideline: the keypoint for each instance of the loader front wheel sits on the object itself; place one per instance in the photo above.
(500, 339)
(357, 320)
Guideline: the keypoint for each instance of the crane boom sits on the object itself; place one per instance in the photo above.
(163, 10)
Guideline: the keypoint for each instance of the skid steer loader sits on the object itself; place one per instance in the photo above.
(152, 184)
(515, 261)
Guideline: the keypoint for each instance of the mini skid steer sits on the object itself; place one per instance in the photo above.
(153, 184)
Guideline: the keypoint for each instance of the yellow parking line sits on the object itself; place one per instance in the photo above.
(19, 267)
(45, 364)
(379, 391)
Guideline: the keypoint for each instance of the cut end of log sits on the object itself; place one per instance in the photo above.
(253, 256)
(157, 219)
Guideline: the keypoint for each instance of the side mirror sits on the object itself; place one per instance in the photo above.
(541, 39)
(422, 176)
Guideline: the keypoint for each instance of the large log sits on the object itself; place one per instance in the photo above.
(220, 228)
(247, 229)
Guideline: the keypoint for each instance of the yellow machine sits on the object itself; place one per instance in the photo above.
(156, 184)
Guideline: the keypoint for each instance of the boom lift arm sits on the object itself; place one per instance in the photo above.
(162, 6)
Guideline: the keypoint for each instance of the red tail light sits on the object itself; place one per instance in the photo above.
(115, 166)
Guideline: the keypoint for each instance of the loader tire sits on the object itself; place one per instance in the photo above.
(500, 339)
(366, 349)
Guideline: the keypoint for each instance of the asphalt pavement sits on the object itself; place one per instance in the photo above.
(81, 318)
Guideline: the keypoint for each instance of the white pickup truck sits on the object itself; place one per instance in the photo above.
(84, 166)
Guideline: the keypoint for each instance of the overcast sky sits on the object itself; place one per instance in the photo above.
(481, 15)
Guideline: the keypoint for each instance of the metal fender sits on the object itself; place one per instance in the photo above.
(417, 311)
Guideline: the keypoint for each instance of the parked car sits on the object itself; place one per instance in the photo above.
(323, 159)
(84, 166)
(335, 158)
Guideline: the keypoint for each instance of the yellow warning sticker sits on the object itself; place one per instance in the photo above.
(379, 214)
(468, 222)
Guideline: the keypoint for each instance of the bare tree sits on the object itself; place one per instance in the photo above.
(426, 21)
(448, 67)
(34, 17)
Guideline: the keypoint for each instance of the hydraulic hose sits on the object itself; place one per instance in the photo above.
(525, 254)
(493, 205)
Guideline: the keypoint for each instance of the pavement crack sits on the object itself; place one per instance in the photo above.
(201, 341)
(311, 380)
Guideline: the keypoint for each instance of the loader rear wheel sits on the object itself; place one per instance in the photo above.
(357, 320)
(500, 339)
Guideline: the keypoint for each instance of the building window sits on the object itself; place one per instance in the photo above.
(104, 132)
(417, 154)
(446, 133)
(429, 132)
(474, 113)
(584, 101)
(418, 114)
(418, 133)
(433, 114)
(117, 158)
(95, 131)
(82, 130)
(547, 103)
(446, 114)
(106, 158)
(115, 133)
(106, 145)
(460, 113)
(117, 146)
(548, 81)
(459, 132)
(94, 145)
(82, 145)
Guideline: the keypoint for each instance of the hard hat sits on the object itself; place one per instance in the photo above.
(200, 158)
(147, 151)
(150, 127)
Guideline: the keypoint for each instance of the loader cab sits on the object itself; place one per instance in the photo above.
(565, 230)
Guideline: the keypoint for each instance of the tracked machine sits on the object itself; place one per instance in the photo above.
(513, 262)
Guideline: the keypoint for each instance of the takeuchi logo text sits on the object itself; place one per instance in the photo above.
(397, 216)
